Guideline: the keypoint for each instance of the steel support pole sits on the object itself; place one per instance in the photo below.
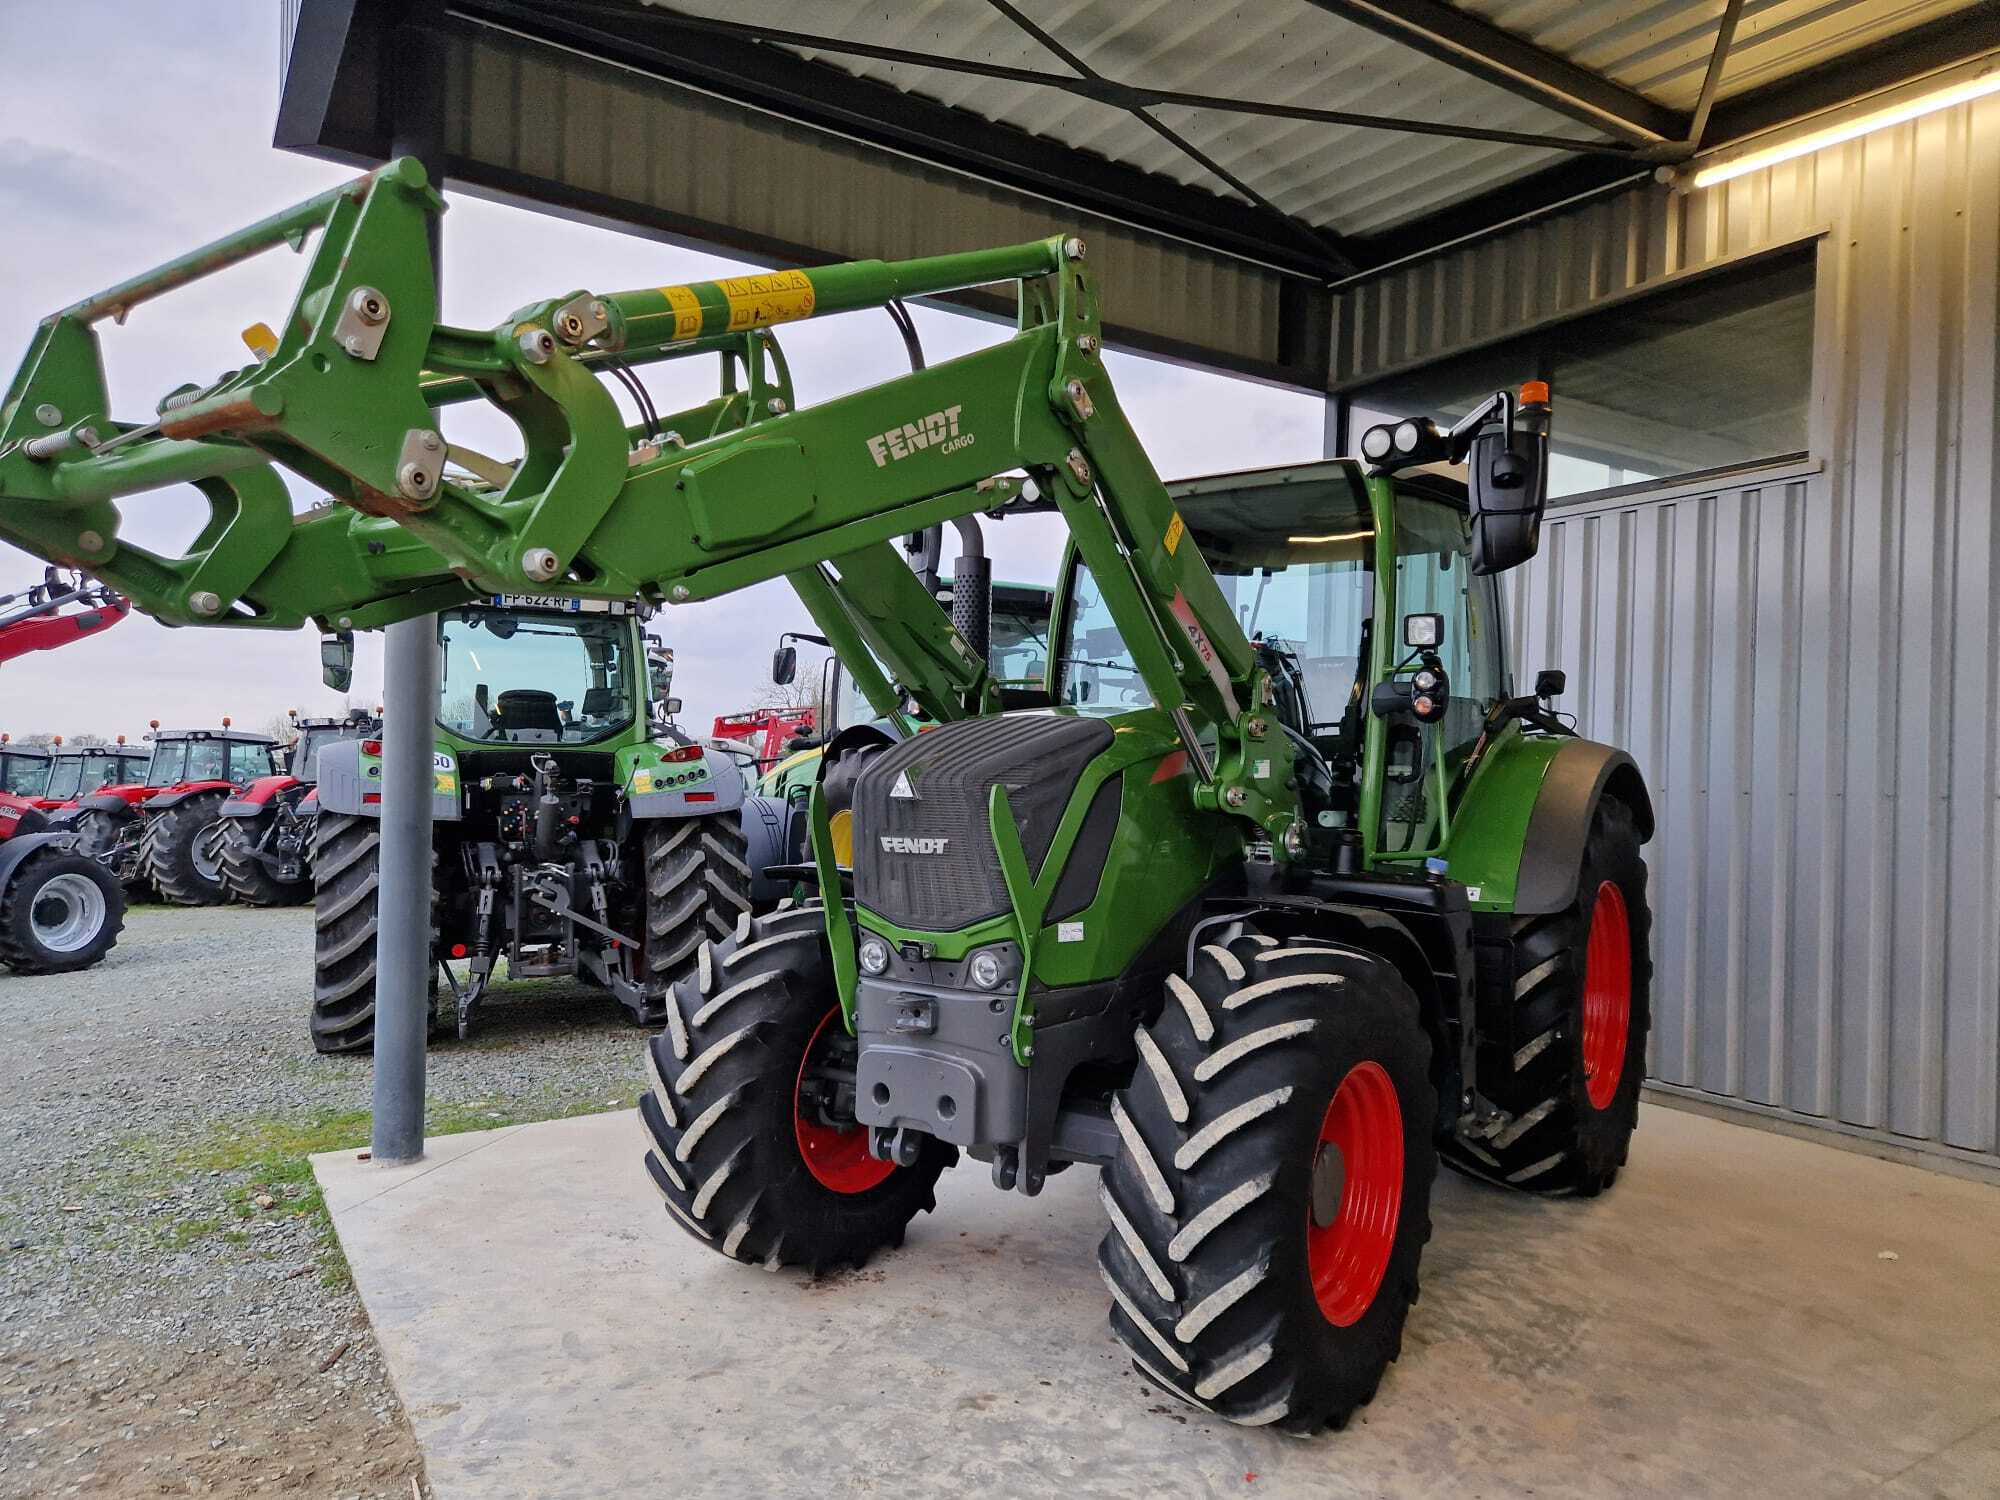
(409, 700)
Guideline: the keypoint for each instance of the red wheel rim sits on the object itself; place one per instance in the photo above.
(1348, 1254)
(837, 1158)
(1607, 996)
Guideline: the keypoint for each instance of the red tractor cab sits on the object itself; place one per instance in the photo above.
(162, 832)
(765, 730)
(264, 834)
(24, 769)
(79, 771)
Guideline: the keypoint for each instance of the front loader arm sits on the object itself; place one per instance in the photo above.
(745, 490)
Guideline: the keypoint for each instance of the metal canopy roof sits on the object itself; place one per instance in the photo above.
(1265, 148)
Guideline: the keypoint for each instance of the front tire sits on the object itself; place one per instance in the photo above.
(1272, 1198)
(246, 877)
(59, 912)
(1566, 1073)
(178, 850)
(739, 1143)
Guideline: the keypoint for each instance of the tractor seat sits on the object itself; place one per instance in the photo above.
(521, 711)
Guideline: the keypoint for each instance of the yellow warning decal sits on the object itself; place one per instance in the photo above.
(773, 297)
(686, 311)
(444, 783)
(1175, 529)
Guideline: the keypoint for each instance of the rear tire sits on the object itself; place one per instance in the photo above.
(246, 877)
(1272, 1198)
(346, 863)
(178, 850)
(740, 1162)
(697, 890)
(1567, 1071)
(59, 912)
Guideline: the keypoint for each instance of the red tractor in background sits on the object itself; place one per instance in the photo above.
(24, 769)
(160, 833)
(264, 833)
(766, 731)
(34, 619)
(80, 770)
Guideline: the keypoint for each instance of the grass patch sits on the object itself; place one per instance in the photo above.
(268, 1160)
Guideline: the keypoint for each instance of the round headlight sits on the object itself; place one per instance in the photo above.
(1375, 443)
(985, 970)
(874, 955)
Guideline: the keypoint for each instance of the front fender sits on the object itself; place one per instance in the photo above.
(18, 848)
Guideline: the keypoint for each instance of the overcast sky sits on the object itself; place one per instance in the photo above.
(130, 134)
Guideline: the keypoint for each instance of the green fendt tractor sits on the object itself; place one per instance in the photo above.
(576, 833)
(1288, 894)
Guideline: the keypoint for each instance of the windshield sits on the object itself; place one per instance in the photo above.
(175, 761)
(525, 677)
(1018, 640)
(24, 775)
(305, 754)
(67, 777)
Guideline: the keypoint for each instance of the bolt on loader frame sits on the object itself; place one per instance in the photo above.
(1175, 941)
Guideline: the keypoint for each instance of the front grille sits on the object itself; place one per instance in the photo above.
(1038, 757)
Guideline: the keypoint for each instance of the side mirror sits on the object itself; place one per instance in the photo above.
(784, 665)
(1551, 682)
(336, 661)
(1509, 484)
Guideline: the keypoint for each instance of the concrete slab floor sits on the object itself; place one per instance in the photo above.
(1727, 1321)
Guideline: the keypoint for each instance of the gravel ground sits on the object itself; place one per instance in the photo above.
(175, 1317)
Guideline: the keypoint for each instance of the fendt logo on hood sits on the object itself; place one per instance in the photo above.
(938, 430)
(896, 843)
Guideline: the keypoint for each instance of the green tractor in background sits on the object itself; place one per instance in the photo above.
(1017, 655)
(576, 832)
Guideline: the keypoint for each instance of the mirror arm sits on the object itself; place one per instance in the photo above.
(1466, 428)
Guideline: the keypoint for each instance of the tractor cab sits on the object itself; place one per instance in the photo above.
(185, 758)
(1363, 606)
(24, 771)
(85, 770)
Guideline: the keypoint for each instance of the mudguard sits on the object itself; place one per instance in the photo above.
(683, 789)
(257, 796)
(111, 802)
(184, 791)
(351, 782)
(767, 836)
(18, 848)
(1581, 774)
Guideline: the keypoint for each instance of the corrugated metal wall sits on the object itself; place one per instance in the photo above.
(1806, 664)
(650, 155)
